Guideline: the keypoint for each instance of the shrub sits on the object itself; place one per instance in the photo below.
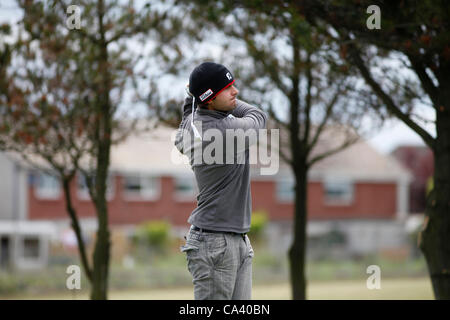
(153, 233)
(259, 222)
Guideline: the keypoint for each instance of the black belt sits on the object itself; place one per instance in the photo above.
(215, 231)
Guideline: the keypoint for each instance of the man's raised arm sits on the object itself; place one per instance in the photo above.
(245, 117)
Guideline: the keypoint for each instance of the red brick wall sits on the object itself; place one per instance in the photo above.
(420, 162)
(370, 201)
(121, 211)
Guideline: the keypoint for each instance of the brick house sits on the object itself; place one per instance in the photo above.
(358, 192)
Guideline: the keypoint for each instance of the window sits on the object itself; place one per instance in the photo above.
(338, 192)
(83, 191)
(31, 248)
(141, 187)
(47, 186)
(285, 190)
(185, 188)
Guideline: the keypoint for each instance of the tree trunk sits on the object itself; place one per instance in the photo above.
(99, 290)
(297, 252)
(103, 136)
(300, 169)
(435, 236)
(76, 228)
(102, 245)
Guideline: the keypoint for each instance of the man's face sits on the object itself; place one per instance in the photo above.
(224, 101)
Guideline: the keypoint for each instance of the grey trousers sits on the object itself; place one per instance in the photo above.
(220, 265)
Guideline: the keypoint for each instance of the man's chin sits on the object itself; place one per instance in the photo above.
(230, 107)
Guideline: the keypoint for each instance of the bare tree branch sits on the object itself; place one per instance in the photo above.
(427, 83)
(328, 113)
(332, 151)
(390, 104)
(309, 79)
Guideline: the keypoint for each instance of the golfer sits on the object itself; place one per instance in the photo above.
(218, 251)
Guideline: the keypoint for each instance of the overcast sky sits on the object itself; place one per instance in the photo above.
(393, 134)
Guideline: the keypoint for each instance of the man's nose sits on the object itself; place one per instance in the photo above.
(235, 91)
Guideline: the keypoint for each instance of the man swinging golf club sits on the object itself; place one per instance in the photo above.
(218, 251)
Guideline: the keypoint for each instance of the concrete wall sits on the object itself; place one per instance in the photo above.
(6, 189)
(16, 232)
(13, 190)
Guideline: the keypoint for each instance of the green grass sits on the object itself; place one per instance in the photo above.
(158, 276)
(391, 289)
(170, 271)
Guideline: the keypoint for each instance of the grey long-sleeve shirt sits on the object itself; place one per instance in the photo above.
(224, 201)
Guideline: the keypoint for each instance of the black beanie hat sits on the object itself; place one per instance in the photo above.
(208, 79)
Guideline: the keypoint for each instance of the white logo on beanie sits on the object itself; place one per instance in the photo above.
(206, 94)
(229, 76)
